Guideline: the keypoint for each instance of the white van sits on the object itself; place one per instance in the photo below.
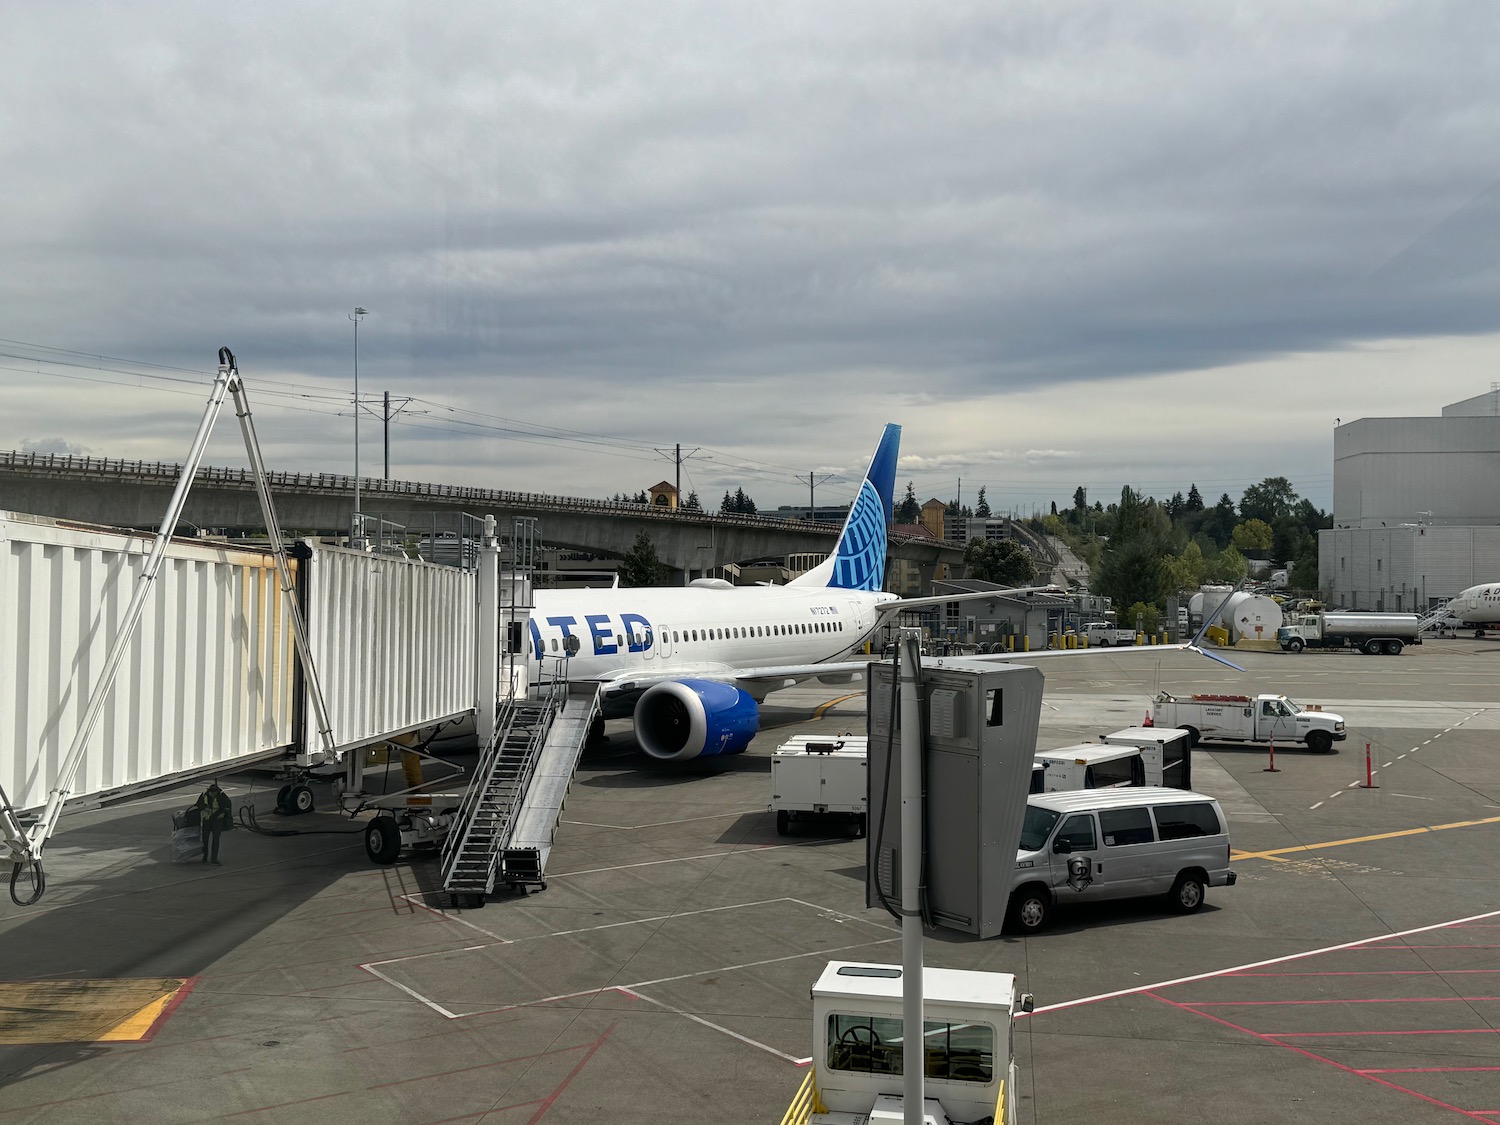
(1117, 843)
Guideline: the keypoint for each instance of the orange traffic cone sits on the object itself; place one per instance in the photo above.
(1147, 723)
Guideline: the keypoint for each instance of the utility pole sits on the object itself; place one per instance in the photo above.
(678, 457)
(388, 414)
(811, 481)
(357, 316)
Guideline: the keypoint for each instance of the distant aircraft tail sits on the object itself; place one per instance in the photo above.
(858, 563)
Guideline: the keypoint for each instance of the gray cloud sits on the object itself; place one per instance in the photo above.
(762, 231)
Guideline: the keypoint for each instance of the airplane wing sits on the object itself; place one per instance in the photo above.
(888, 609)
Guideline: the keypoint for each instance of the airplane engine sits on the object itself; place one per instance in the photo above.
(681, 719)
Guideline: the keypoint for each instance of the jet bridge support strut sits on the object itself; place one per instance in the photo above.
(26, 841)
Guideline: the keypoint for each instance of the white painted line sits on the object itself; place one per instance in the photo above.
(1424, 744)
(1331, 796)
(671, 980)
(1413, 797)
(1260, 964)
(1351, 785)
(436, 1007)
(1386, 766)
(415, 900)
(1400, 756)
(716, 1027)
(1319, 805)
(654, 824)
(679, 859)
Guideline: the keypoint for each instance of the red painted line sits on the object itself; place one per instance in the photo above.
(1284, 1003)
(1375, 973)
(551, 1098)
(1378, 948)
(1343, 1035)
(477, 1066)
(1428, 1069)
(481, 1113)
(160, 1021)
(284, 1105)
(1320, 1058)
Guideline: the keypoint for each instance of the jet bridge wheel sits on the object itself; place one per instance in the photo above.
(300, 799)
(383, 840)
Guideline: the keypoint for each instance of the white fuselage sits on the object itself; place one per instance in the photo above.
(700, 629)
(1478, 605)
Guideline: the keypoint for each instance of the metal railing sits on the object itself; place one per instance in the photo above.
(805, 1101)
(166, 472)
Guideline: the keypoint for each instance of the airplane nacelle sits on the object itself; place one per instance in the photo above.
(677, 720)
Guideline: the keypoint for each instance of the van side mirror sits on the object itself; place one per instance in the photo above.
(1062, 847)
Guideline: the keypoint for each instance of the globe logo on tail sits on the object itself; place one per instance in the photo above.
(860, 562)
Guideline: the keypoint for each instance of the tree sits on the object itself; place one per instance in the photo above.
(1218, 522)
(982, 509)
(692, 503)
(999, 560)
(1270, 500)
(640, 566)
(1184, 570)
(1080, 498)
(1175, 506)
(1054, 507)
(739, 504)
(1252, 535)
(1228, 566)
(1194, 500)
(909, 511)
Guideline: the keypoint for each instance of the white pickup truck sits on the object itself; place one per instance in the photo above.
(1246, 718)
(1104, 634)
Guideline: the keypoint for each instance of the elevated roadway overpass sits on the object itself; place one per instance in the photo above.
(135, 494)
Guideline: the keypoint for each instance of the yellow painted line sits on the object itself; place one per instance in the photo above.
(86, 1011)
(818, 714)
(1273, 853)
(134, 1028)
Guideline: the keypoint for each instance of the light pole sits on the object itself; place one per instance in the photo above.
(357, 315)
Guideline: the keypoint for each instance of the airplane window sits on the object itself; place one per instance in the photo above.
(675, 637)
(695, 634)
(620, 642)
(554, 644)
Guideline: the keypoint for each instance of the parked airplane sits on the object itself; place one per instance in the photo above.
(1477, 606)
(692, 664)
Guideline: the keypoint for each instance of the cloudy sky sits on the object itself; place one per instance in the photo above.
(1060, 243)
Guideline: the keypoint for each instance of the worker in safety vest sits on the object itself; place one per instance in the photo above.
(213, 817)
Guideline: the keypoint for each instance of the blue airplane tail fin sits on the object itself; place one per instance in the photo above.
(858, 562)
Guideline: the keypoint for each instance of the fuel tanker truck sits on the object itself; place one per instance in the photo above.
(1373, 633)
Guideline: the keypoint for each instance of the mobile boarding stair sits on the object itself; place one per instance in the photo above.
(502, 833)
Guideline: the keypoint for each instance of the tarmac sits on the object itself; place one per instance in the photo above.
(1352, 974)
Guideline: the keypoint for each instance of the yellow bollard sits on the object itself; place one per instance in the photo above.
(1140, 638)
(1083, 641)
(1010, 643)
(1026, 643)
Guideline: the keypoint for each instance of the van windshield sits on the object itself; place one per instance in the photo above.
(1036, 828)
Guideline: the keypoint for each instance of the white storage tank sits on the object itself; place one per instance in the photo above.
(1253, 617)
(1207, 600)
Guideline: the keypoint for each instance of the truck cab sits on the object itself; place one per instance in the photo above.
(1106, 633)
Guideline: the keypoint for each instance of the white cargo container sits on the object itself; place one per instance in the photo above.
(821, 775)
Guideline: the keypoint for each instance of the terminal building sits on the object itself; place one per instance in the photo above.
(1416, 508)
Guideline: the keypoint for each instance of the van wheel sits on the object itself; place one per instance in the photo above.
(1030, 910)
(1193, 739)
(783, 822)
(1319, 741)
(1186, 894)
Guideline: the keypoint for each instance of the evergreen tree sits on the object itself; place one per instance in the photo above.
(908, 511)
(1194, 500)
(691, 503)
(982, 509)
(726, 506)
(640, 566)
(1080, 498)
